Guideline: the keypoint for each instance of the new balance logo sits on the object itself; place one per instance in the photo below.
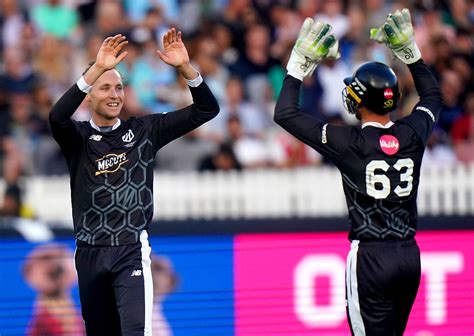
(137, 273)
(128, 137)
(95, 137)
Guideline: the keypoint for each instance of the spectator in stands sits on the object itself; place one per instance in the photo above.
(254, 121)
(148, 75)
(110, 18)
(138, 10)
(185, 153)
(333, 13)
(222, 36)
(451, 89)
(52, 62)
(462, 132)
(12, 197)
(432, 26)
(439, 152)
(248, 38)
(330, 75)
(13, 22)
(54, 18)
(250, 151)
(47, 156)
(18, 75)
(49, 270)
(24, 125)
(223, 159)
(206, 58)
(254, 59)
(292, 153)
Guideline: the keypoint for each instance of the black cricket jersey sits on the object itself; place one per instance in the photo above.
(112, 172)
(379, 164)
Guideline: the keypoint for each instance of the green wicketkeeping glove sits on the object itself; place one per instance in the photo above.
(397, 34)
(314, 43)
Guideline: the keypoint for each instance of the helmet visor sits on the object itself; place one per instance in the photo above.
(349, 102)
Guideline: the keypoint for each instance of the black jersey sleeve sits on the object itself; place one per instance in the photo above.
(329, 140)
(426, 112)
(63, 127)
(169, 126)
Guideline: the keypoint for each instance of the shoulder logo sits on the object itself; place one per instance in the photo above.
(389, 144)
(324, 137)
(128, 137)
(427, 111)
(95, 137)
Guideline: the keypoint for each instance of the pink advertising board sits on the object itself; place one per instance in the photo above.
(293, 284)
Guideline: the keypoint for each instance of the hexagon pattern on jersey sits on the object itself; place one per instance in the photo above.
(120, 206)
(394, 217)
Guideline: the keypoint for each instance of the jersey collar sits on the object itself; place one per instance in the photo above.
(97, 128)
(378, 125)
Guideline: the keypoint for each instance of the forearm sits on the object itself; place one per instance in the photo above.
(328, 140)
(67, 105)
(93, 73)
(426, 86)
(177, 123)
(205, 105)
(188, 71)
(287, 105)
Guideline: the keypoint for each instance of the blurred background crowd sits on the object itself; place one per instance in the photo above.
(241, 48)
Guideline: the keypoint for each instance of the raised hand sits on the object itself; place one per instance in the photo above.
(174, 53)
(314, 44)
(397, 34)
(109, 53)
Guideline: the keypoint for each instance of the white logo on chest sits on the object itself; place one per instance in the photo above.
(128, 137)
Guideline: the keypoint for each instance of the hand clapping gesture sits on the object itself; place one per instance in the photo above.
(174, 53)
(109, 53)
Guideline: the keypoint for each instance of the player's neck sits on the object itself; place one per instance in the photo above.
(103, 122)
(368, 116)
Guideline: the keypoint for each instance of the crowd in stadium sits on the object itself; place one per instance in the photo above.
(241, 48)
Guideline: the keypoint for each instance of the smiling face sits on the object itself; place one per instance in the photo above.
(106, 98)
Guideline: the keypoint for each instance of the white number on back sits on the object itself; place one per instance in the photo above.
(378, 184)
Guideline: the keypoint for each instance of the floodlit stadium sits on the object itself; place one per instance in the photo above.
(250, 226)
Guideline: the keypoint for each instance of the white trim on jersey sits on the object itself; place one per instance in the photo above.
(357, 324)
(83, 86)
(196, 81)
(378, 125)
(148, 281)
(97, 128)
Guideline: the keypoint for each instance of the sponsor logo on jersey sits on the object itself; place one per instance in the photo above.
(389, 144)
(110, 163)
(388, 93)
(324, 138)
(428, 111)
(128, 137)
(137, 272)
(95, 137)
